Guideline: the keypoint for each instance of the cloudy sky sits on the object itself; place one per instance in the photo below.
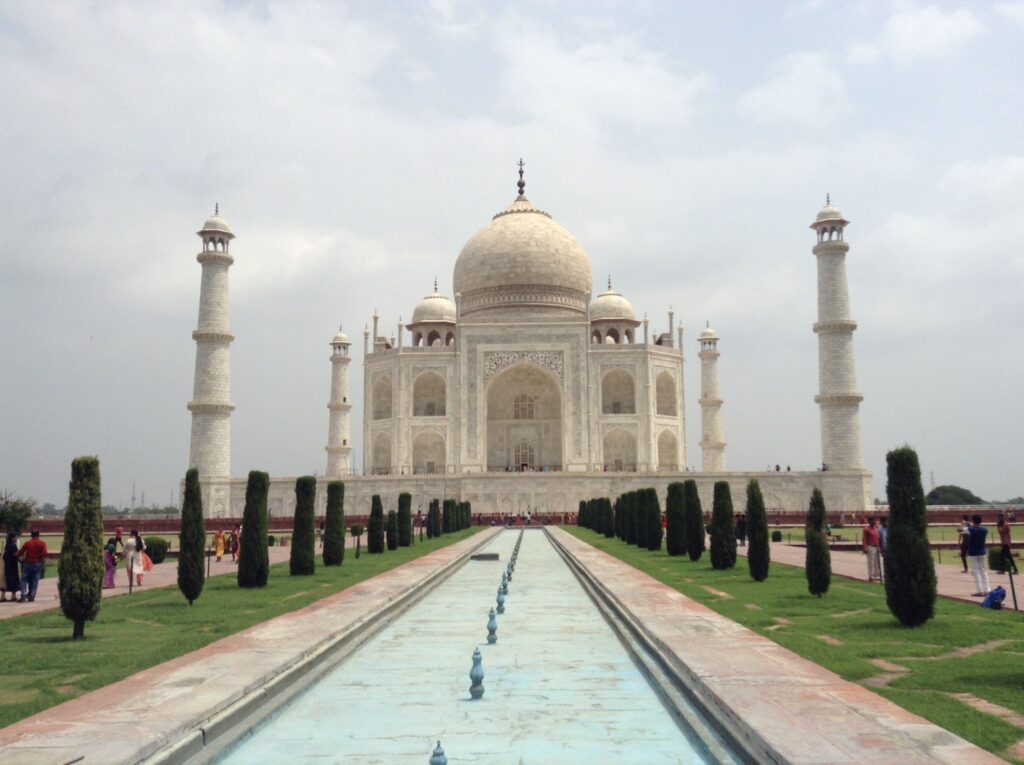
(354, 148)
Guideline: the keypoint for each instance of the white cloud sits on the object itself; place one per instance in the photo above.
(1012, 11)
(919, 34)
(805, 90)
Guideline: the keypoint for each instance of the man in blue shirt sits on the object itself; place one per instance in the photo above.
(976, 554)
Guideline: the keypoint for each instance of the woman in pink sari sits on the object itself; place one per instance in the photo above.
(109, 564)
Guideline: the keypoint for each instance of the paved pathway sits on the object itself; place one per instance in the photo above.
(163, 575)
(950, 579)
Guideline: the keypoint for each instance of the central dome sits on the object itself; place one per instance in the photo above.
(522, 258)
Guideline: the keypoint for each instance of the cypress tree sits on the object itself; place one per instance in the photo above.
(302, 561)
(654, 528)
(80, 571)
(909, 570)
(434, 519)
(617, 516)
(447, 519)
(469, 513)
(253, 559)
(581, 514)
(630, 505)
(334, 525)
(723, 528)
(639, 518)
(609, 517)
(391, 531)
(404, 519)
(193, 540)
(758, 553)
(375, 526)
(675, 543)
(693, 516)
(818, 566)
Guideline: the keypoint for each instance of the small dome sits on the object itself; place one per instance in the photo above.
(828, 212)
(611, 306)
(340, 339)
(435, 308)
(708, 334)
(217, 224)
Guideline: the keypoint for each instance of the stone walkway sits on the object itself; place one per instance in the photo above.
(162, 575)
(950, 579)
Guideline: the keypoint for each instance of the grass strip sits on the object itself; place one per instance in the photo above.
(851, 627)
(43, 667)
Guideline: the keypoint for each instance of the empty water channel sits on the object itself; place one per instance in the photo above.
(560, 684)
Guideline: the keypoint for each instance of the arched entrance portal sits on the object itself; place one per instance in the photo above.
(524, 420)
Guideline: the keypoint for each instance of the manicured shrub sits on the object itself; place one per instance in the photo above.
(639, 518)
(674, 536)
(357, 534)
(434, 519)
(581, 515)
(653, 521)
(80, 570)
(271, 540)
(334, 525)
(693, 524)
(776, 536)
(302, 560)
(909, 569)
(607, 517)
(156, 548)
(448, 516)
(391, 530)
(375, 526)
(818, 563)
(191, 569)
(253, 559)
(758, 553)
(404, 519)
(723, 528)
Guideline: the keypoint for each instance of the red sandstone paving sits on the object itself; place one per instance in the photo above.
(131, 719)
(805, 712)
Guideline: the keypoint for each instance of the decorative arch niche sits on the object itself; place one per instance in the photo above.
(620, 450)
(618, 393)
(524, 411)
(428, 395)
(428, 453)
(668, 451)
(382, 398)
(665, 391)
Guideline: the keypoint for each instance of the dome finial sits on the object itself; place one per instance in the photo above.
(216, 208)
(828, 199)
(522, 183)
(435, 284)
(609, 282)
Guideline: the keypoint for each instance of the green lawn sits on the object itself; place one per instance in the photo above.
(855, 615)
(43, 667)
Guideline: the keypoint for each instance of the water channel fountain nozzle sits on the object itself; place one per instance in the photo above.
(438, 757)
(504, 584)
(492, 629)
(476, 675)
(501, 601)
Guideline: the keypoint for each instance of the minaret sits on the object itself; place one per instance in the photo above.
(712, 442)
(211, 407)
(339, 448)
(838, 397)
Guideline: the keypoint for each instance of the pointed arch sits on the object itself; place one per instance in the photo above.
(428, 395)
(618, 393)
(666, 395)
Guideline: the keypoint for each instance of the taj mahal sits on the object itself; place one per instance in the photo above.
(524, 391)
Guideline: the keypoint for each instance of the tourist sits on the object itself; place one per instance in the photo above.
(33, 557)
(883, 535)
(320, 535)
(741, 529)
(134, 549)
(964, 533)
(12, 580)
(118, 536)
(871, 544)
(109, 563)
(218, 544)
(234, 541)
(1006, 548)
(976, 553)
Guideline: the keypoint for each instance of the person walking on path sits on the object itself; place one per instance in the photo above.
(33, 557)
(134, 549)
(883, 535)
(109, 564)
(976, 534)
(1006, 552)
(12, 580)
(871, 541)
(233, 542)
(218, 544)
(741, 530)
(964, 533)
